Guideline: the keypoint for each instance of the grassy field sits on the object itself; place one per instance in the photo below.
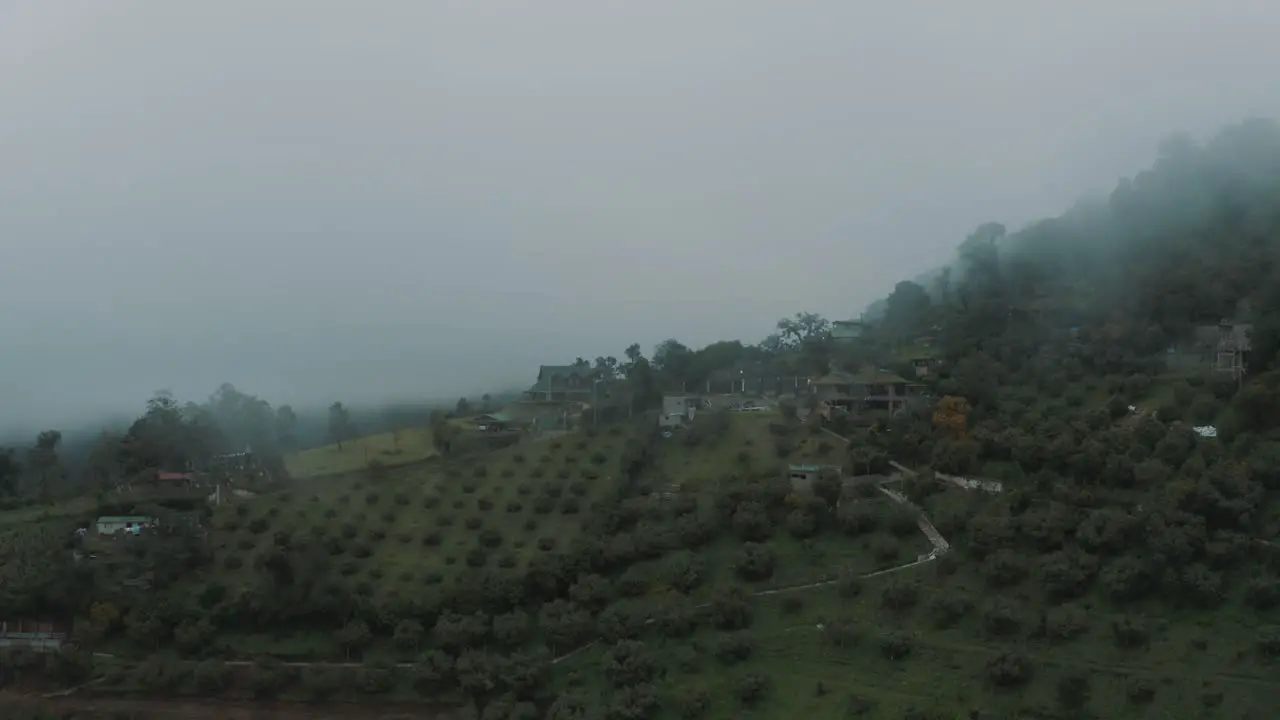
(746, 447)
(425, 526)
(391, 449)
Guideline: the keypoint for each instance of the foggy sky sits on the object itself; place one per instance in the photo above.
(321, 200)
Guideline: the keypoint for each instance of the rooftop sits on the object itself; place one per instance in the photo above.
(863, 377)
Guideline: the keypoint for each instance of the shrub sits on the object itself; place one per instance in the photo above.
(900, 595)
(569, 506)
(480, 471)
(546, 544)
(477, 557)
(490, 538)
(432, 538)
(514, 506)
(431, 501)
(1009, 669)
(752, 689)
(372, 498)
(388, 517)
(734, 648)
(401, 499)
(484, 504)
(886, 549)
(896, 645)
(473, 523)
(258, 525)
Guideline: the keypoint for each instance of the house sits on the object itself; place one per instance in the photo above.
(494, 422)
(1231, 346)
(175, 478)
(802, 477)
(678, 410)
(754, 380)
(37, 635)
(1224, 347)
(565, 383)
(922, 362)
(847, 332)
(127, 524)
(241, 462)
(870, 389)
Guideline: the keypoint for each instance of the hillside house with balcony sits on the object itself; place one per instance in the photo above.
(847, 332)
(857, 393)
(1224, 347)
(565, 383)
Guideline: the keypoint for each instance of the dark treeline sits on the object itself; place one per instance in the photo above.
(176, 435)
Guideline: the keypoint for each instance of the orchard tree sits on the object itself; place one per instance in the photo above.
(340, 427)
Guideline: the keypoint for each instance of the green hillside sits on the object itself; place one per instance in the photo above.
(1044, 527)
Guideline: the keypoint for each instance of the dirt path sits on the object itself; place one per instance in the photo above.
(940, 547)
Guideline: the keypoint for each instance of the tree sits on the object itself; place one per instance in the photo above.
(408, 634)
(443, 432)
(463, 408)
(907, 308)
(755, 561)
(102, 467)
(287, 427)
(354, 637)
(10, 472)
(169, 436)
(804, 327)
(952, 416)
(673, 359)
(44, 465)
(340, 428)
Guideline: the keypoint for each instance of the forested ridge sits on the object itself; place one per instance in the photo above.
(1128, 567)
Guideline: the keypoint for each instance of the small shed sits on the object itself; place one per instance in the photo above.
(803, 476)
(130, 524)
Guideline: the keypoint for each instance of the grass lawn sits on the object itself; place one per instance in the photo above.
(391, 449)
(80, 506)
(1201, 665)
(425, 526)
